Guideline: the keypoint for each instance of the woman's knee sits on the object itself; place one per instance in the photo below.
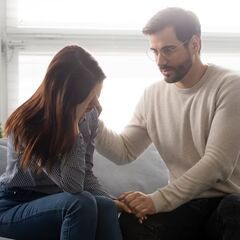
(81, 202)
(106, 205)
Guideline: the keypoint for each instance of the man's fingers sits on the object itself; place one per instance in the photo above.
(134, 203)
(124, 195)
(142, 214)
(131, 196)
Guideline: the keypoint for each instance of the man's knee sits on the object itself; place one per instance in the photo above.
(132, 229)
(229, 208)
(128, 220)
(228, 216)
(128, 225)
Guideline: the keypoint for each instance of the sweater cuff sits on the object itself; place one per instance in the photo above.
(159, 201)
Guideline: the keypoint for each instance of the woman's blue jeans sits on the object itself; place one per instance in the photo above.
(29, 215)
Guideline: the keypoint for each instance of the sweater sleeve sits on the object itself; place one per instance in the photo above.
(219, 160)
(130, 143)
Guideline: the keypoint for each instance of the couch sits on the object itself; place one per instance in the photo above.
(146, 174)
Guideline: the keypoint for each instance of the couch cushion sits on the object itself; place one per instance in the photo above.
(146, 174)
(3, 142)
(3, 155)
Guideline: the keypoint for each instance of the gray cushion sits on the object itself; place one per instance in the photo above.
(3, 155)
(146, 174)
(3, 142)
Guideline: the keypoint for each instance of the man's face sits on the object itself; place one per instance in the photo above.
(174, 60)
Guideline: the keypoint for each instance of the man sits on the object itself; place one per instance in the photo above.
(193, 119)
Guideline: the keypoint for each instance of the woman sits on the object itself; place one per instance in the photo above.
(48, 190)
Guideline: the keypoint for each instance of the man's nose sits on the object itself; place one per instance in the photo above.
(160, 59)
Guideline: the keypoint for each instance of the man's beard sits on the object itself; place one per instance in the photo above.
(178, 72)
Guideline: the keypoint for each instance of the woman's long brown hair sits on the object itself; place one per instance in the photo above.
(45, 125)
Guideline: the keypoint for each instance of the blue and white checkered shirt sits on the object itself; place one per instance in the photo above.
(74, 173)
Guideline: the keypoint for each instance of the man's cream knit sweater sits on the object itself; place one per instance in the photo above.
(195, 130)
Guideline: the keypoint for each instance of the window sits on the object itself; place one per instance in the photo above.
(33, 31)
(115, 15)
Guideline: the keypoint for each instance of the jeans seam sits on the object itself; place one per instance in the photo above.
(68, 229)
(27, 218)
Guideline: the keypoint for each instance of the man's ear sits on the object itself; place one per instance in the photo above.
(196, 43)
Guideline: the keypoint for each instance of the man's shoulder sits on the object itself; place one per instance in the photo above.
(223, 74)
(224, 84)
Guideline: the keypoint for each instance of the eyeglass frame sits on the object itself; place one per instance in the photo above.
(153, 54)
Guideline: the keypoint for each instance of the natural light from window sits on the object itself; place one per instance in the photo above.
(128, 73)
(127, 77)
(122, 88)
(215, 15)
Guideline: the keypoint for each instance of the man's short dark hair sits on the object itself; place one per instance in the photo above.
(185, 23)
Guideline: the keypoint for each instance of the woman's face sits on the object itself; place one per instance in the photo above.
(90, 102)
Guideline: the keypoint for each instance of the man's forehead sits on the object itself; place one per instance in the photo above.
(164, 37)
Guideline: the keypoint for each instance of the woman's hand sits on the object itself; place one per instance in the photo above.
(122, 206)
(139, 203)
(98, 107)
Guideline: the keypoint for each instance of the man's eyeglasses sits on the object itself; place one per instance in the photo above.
(165, 52)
